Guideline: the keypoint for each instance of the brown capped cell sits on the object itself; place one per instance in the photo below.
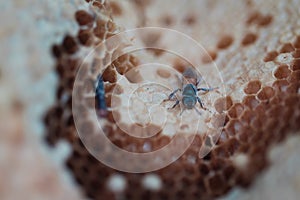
(297, 42)
(236, 110)
(100, 29)
(113, 116)
(220, 151)
(287, 48)
(264, 20)
(163, 73)
(247, 116)
(69, 44)
(280, 85)
(252, 87)
(225, 42)
(83, 18)
(167, 20)
(253, 17)
(180, 66)
(203, 169)
(270, 56)
(295, 65)
(56, 51)
(282, 72)
(232, 145)
(266, 93)
(293, 88)
(223, 104)
(296, 53)
(190, 20)
(248, 39)
(243, 137)
(291, 100)
(229, 172)
(162, 141)
(233, 127)
(85, 37)
(294, 77)
(60, 69)
(244, 147)
(122, 68)
(217, 163)
(110, 75)
(216, 184)
(116, 8)
(250, 101)
(209, 57)
(244, 180)
(276, 110)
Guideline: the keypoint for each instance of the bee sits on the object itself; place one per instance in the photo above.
(100, 97)
(189, 99)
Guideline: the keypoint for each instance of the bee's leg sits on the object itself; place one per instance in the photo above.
(177, 102)
(197, 111)
(173, 93)
(206, 90)
(200, 102)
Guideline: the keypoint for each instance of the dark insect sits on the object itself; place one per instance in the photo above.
(100, 97)
(190, 81)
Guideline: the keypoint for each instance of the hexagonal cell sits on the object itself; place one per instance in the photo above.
(109, 75)
(69, 44)
(280, 85)
(225, 42)
(232, 145)
(295, 65)
(212, 55)
(233, 127)
(250, 101)
(252, 87)
(297, 42)
(83, 18)
(216, 184)
(236, 110)
(248, 39)
(85, 37)
(296, 54)
(294, 77)
(265, 20)
(282, 72)
(247, 116)
(287, 48)
(163, 73)
(266, 93)
(293, 88)
(270, 56)
(223, 104)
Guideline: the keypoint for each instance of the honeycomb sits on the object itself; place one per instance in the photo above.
(261, 107)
